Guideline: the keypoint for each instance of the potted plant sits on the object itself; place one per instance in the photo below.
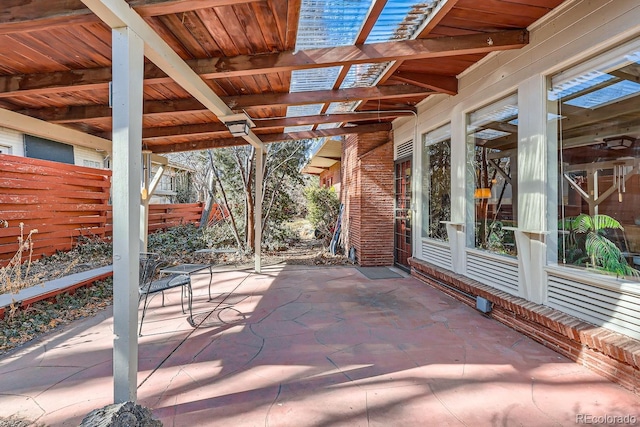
(588, 244)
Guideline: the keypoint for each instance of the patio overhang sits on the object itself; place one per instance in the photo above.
(210, 59)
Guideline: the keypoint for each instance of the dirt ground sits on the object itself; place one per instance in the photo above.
(305, 251)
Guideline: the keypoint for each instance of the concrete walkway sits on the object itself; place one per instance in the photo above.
(304, 346)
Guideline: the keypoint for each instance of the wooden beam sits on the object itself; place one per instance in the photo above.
(436, 16)
(117, 13)
(31, 15)
(353, 117)
(322, 96)
(175, 107)
(35, 127)
(279, 137)
(370, 21)
(435, 82)
(245, 65)
(213, 129)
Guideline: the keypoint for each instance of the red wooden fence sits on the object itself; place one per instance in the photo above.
(63, 202)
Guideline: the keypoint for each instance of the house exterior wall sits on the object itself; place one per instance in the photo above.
(573, 33)
(332, 177)
(11, 142)
(367, 193)
(88, 157)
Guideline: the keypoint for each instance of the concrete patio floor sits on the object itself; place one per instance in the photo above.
(307, 346)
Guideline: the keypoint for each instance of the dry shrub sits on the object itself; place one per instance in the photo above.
(16, 275)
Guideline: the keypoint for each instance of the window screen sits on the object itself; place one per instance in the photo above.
(45, 149)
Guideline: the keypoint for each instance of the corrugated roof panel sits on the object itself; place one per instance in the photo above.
(328, 126)
(400, 19)
(315, 79)
(341, 107)
(300, 111)
(363, 75)
(606, 95)
(329, 23)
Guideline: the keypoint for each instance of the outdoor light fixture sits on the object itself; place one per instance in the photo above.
(619, 142)
(238, 124)
(482, 193)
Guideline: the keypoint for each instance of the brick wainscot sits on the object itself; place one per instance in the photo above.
(612, 355)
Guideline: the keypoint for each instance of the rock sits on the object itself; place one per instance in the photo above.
(126, 414)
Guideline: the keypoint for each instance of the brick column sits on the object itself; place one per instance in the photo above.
(368, 195)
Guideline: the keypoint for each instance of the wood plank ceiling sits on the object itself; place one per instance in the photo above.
(56, 56)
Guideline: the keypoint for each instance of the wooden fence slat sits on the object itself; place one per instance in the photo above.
(63, 202)
(46, 165)
(80, 181)
(43, 185)
(49, 232)
(91, 195)
(57, 207)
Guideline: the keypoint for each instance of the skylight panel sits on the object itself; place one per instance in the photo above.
(301, 111)
(399, 20)
(301, 128)
(606, 95)
(341, 107)
(490, 134)
(578, 84)
(306, 110)
(363, 75)
(503, 114)
(328, 125)
(331, 23)
(315, 79)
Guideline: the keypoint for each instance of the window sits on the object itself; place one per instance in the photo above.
(45, 149)
(594, 118)
(5, 149)
(91, 163)
(492, 153)
(436, 182)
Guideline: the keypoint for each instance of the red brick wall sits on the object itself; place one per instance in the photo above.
(367, 191)
(350, 194)
(614, 356)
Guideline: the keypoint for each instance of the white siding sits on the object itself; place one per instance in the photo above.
(437, 253)
(612, 307)
(492, 270)
(11, 142)
(574, 32)
(88, 157)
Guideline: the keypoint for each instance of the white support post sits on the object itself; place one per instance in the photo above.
(258, 208)
(145, 196)
(128, 75)
(417, 195)
(455, 233)
(461, 182)
(532, 189)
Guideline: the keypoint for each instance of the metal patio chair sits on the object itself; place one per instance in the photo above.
(150, 284)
